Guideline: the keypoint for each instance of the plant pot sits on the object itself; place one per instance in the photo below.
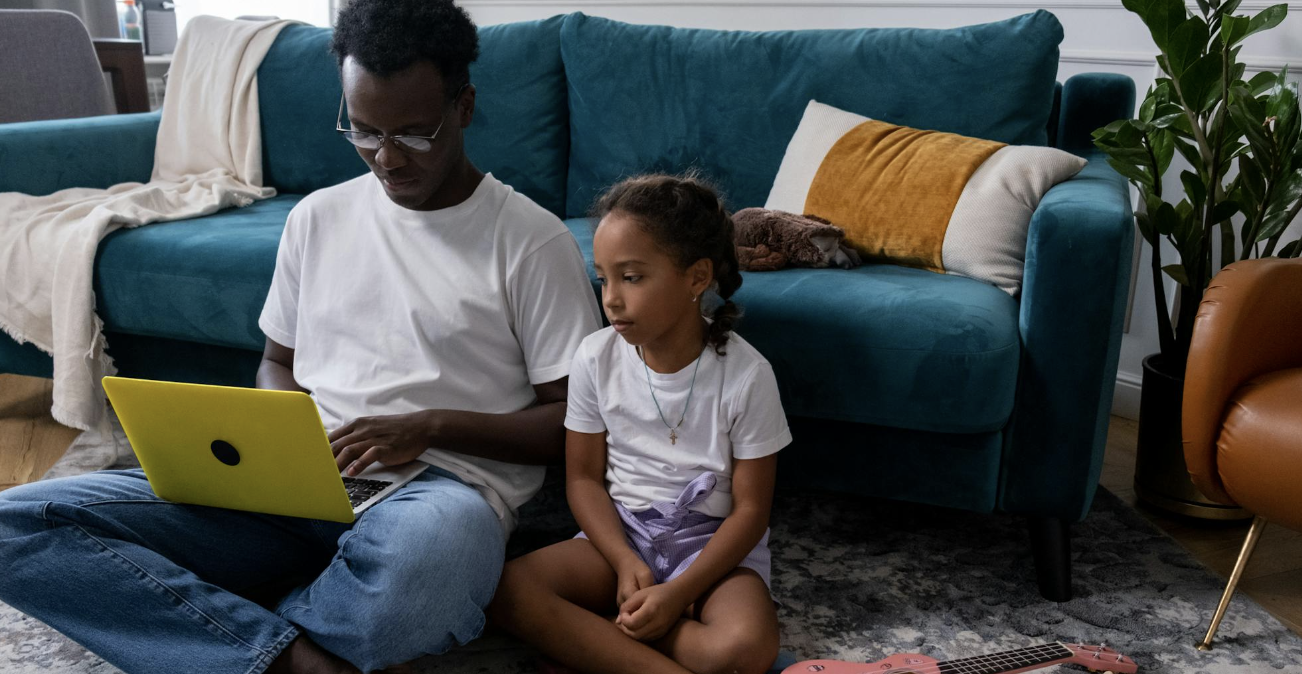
(1161, 476)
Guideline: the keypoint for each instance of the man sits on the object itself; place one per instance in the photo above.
(432, 313)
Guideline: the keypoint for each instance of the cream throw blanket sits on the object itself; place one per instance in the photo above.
(208, 156)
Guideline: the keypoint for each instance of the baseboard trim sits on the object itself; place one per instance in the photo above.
(1125, 397)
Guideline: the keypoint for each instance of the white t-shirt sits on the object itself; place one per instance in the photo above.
(391, 311)
(735, 413)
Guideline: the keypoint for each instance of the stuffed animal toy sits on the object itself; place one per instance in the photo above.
(770, 240)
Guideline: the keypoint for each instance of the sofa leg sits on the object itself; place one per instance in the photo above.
(1051, 546)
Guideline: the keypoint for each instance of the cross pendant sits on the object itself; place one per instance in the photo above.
(673, 437)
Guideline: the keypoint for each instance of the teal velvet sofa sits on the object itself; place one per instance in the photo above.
(901, 383)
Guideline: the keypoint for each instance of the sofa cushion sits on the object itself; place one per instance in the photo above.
(728, 102)
(925, 199)
(881, 344)
(520, 132)
(202, 280)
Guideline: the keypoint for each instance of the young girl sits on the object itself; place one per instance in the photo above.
(672, 432)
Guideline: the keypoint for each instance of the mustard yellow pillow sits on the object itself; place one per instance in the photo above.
(928, 199)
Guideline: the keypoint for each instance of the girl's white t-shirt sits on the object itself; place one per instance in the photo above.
(391, 311)
(735, 413)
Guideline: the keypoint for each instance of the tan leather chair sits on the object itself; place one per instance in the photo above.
(1242, 411)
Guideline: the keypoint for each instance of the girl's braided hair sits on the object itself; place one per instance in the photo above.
(685, 215)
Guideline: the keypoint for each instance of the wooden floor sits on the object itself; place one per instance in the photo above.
(1273, 576)
(31, 441)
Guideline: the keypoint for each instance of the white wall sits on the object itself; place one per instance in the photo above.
(1100, 35)
(315, 12)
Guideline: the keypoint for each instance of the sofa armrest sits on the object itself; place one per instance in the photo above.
(1089, 101)
(1078, 259)
(47, 156)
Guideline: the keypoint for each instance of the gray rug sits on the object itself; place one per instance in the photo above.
(862, 579)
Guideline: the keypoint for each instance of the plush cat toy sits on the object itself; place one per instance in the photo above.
(770, 240)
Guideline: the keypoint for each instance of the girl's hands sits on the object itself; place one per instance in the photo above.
(651, 612)
(633, 575)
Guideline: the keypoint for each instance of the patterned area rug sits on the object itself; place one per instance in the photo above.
(862, 579)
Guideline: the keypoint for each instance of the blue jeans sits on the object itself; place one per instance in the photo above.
(152, 586)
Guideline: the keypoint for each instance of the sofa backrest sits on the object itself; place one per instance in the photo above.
(520, 131)
(656, 98)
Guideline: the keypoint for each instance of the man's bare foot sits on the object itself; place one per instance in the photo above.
(302, 656)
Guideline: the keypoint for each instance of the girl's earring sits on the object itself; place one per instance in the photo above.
(694, 298)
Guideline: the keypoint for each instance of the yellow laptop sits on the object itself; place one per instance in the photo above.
(246, 449)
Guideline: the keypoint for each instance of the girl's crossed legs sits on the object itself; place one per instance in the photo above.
(559, 599)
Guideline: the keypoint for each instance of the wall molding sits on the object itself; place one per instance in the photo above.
(1249, 5)
(1149, 59)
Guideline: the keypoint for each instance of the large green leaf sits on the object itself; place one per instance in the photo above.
(1114, 127)
(1165, 219)
(1145, 225)
(1166, 114)
(1253, 184)
(1228, 7)
(1291, 249)
(1176, 271)
(1201, 82)
(1146, 109)
(1275, 223)
(1234, 29)
(1163, 148)
(1131, 171)
(1188, 44)
(1188, 232)
(1225, 210)
(1287, 191)
(1195, 188)
(1267, 18)
(1161, 16)
(1190, 153)
(1250, 115)
(1282, 96)
(1261, 83)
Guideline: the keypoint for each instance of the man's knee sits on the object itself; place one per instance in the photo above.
(19, 517)
(433, 586)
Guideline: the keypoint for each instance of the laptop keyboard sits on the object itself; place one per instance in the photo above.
(360, 491)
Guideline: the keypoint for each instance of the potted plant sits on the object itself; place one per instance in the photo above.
(1241, 192)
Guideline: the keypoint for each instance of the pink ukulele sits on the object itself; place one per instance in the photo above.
(1095, 658)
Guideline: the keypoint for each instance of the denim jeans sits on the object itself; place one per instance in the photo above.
(152, 586)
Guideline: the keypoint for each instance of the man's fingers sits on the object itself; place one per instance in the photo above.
(341, 432)
(343, 441)
(350, 453)
(371, 456)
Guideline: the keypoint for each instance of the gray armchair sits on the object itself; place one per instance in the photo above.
(48, 68)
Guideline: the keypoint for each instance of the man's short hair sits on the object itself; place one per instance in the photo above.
(386, 36)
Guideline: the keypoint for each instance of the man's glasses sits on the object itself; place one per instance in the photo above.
(405, 142)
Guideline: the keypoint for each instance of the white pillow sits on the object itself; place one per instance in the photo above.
(985, 236)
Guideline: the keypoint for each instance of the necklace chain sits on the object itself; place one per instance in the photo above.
(673, 430)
